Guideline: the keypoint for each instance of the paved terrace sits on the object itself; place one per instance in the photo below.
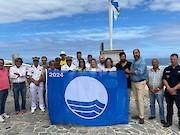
(38, 124)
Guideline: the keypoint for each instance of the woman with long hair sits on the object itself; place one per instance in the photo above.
(82, 65)
(109, 65)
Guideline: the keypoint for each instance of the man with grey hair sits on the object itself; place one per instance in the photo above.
(156, 91)
(138, 75)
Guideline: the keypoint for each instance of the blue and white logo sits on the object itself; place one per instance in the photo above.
(84, 99)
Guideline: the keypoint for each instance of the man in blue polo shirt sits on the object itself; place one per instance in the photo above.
(171, 79)
(138, 75)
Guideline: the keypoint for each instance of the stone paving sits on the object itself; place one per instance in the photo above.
(38, 124)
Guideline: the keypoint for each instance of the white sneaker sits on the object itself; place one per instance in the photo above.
(5, 115)
(42, 109)
(1, 119)
(32, 110)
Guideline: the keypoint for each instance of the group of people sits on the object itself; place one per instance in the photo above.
(137, 74)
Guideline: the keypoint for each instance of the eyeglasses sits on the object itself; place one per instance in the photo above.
(35, 60)
(19, 61)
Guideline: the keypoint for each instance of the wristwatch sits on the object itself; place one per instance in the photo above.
(158, 88)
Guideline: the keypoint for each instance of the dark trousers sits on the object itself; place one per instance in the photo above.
(3, 97)
(170, 99)
(19, 88)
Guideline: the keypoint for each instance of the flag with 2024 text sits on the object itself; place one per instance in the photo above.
(87, 98)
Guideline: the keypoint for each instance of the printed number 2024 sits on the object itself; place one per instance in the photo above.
(51, 74)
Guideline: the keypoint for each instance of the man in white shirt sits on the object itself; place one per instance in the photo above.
(69, 65)
(101, 62)
(88, 63)
(156, 91)
(17, 75)
(37, 75)
(78, 57)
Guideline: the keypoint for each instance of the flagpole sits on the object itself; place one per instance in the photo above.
(110, 24)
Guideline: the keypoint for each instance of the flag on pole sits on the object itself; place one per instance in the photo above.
(116, 9)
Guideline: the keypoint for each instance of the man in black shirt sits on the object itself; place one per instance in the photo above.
(122, 65)
(171, 79)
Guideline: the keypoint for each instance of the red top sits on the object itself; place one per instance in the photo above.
(4, 80)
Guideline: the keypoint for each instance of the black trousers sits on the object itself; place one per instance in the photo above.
(170, 99)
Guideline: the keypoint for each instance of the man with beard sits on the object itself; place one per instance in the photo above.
(101, 64)
(122, 65)
(138, 75)
(88, 63)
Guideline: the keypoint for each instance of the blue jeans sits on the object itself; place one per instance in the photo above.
(3, 97)
(160, 100)
(19, 88)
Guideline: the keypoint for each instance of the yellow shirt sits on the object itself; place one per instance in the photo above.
(62, 62)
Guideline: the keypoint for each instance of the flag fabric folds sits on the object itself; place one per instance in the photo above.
(116, 9)
(87, 98)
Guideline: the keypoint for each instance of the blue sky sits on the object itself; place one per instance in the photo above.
(37, 28)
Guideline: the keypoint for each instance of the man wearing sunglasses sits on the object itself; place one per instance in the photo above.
(17, 75)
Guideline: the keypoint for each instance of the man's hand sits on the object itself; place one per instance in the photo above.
(172, 91)
(36, 83)
(155, 90)
(151, 90)
(127, 71)
(17, 74)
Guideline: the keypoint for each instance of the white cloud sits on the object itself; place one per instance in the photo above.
(124, 33)
(167, 33)
(151, 40)
(165, 5)
(19, 10)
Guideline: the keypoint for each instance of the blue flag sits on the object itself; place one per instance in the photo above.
(87, 98)
(116, 9)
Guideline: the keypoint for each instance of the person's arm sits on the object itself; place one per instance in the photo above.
(11, 73)
(139, 71)
(177, 87)
(166, 84)
(159, 87)
(172, 91)
(23, 72)
(29, 75)
(43, 76)
(149, 86)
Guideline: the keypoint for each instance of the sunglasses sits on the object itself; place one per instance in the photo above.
(19, 61)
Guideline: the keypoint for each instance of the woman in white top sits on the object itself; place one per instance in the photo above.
(82, 65)
(109, 65)
(94, 66)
